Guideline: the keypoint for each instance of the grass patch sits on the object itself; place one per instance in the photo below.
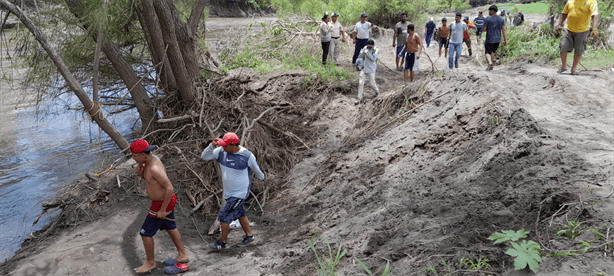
(597, 58)
(540, 44)
(532, 8)
(272, 49)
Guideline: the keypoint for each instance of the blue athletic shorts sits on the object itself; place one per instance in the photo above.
(399, 48)
(233, 210)
(478, 31)
(409, 61)
(152, 225)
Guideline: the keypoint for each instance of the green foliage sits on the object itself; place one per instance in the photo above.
(571, 233)
(479, 264)
(526, 253)
(541, 7)
(269, 49)
(350, 10)
(430, 270)
(563, 254)
(508, 235)
(327, 267)
(529, 41)
(384, 273)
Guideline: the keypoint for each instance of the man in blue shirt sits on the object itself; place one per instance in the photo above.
(479, 24)
(493, 26)
(430, 28)
(236, 164)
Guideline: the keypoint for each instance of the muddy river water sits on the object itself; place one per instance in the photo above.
(43, 147)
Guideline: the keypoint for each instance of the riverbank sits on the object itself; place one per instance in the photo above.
(423, 173)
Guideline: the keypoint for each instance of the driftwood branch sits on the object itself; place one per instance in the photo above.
(189, 115)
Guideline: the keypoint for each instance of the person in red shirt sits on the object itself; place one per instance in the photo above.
(466, 35)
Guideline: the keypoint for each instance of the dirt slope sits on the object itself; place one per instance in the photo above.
(517, 147)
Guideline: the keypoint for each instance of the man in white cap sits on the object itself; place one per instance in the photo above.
(430, 28)
(336, 34)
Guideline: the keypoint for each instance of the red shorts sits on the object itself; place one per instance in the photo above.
(156, 205)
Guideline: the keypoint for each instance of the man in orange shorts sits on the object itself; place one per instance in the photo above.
(161, 215)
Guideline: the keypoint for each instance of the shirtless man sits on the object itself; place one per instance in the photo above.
(161, 215)
(443, 35)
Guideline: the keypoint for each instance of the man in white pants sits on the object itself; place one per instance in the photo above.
(336, 34)
(368, 55)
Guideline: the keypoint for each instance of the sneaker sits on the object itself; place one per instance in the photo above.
(489, 67)
(456, 65)
(247, 239)
(561, 70)
(575, 73)
(218, 245)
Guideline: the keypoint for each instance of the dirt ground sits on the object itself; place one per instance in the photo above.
(477, 152)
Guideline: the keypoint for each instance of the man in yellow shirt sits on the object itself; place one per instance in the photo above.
(578, 14)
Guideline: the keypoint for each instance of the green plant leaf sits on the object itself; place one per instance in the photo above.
(526, 253)
(386, 269)
(599, 235)
(508, 235)
(364, 266)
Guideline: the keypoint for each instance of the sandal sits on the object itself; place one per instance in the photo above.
(561, 70)
(171, 262)
(176, 269)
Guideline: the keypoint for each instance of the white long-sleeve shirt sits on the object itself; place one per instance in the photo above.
(370, 58)
(236, 170)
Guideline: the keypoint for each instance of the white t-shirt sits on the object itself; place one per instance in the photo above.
(456, 30)
(336, 30)
(362, 30)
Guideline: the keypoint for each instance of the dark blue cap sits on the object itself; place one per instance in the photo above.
(363, 15)
(335, 14)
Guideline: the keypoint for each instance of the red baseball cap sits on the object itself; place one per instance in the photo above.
(141, 146)
(229, 138)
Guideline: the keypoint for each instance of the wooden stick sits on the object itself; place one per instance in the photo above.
(202, 202)
(256, 198)
(198, 231)
(189, 115)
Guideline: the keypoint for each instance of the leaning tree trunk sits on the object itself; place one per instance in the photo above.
(185, 83)
(153, 35)
(187, 41)
(143, 103)
(74, 85)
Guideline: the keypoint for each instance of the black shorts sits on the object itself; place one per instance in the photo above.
(491, 47)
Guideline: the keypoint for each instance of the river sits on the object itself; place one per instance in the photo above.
(43, 147)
